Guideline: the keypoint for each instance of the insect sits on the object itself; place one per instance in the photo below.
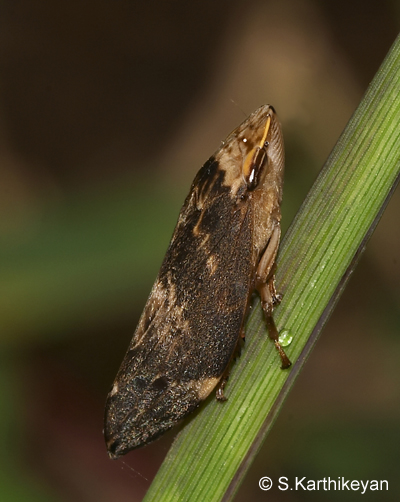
(223, 248)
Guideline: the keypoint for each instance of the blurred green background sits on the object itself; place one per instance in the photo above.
(107, 111)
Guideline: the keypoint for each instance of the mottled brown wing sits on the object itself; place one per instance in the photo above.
(192, 320)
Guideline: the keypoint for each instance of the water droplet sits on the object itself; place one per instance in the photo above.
(285, 337)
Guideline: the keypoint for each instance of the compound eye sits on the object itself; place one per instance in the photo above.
(257, 159)
(256, 167)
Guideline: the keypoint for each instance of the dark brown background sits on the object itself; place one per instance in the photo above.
(107, 110)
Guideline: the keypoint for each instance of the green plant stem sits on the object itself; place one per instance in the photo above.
(212, 454)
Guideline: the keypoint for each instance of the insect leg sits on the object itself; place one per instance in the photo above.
(219, 394)
(265, 285)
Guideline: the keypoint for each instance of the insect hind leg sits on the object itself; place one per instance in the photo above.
(219, 394)
(265, 285)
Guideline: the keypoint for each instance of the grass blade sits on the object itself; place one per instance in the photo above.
(212, 454)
